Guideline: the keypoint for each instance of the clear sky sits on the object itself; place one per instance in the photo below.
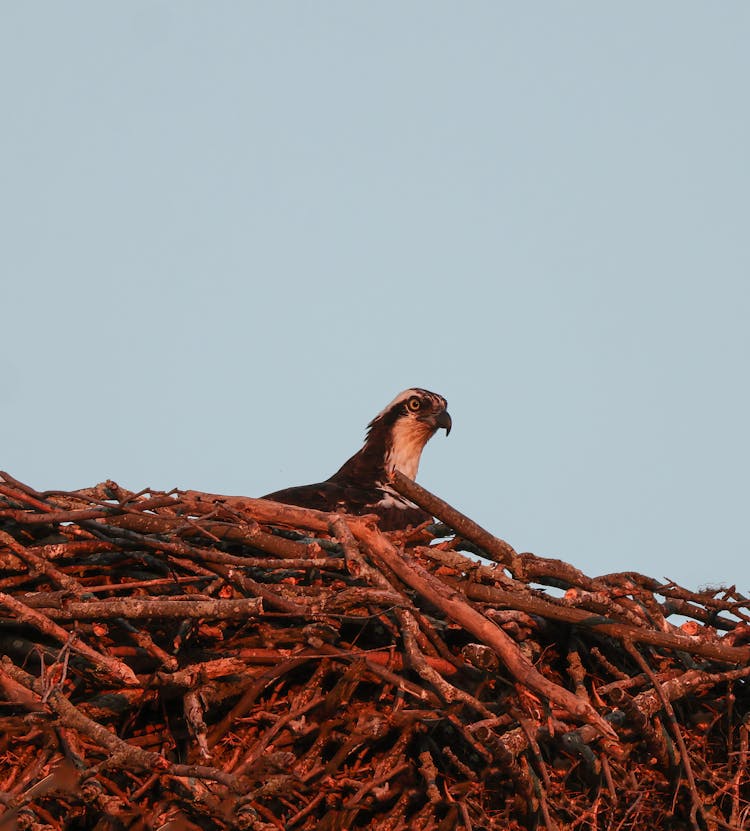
(233, 231)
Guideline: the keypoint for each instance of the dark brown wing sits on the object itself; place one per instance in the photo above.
(322, 496)
(397, 518)
(346, 497)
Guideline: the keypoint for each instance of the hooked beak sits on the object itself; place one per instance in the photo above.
(443, 419)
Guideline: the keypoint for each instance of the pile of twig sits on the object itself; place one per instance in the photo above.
(189, 661)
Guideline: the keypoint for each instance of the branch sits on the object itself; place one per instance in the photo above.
(132, 609)
(454, 605)
(111, 666)
(495, 548)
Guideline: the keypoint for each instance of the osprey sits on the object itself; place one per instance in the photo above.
(395, 439)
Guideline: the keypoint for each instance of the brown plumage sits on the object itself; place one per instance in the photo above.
(395, 439)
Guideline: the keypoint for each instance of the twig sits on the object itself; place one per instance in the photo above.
(141, 759)
(495, 548)
(456, 607)
(696, 802)
(148, 608)
(111, 666)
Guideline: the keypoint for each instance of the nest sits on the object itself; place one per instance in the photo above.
(183, 660)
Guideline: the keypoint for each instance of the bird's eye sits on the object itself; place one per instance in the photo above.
(414, 404)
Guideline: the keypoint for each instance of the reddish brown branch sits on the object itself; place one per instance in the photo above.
(121, 751)
(495, 548)
(622, 631)
(111, 666)
(130, 609)
(456, 607)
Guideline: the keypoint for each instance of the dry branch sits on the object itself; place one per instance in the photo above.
(133, 609)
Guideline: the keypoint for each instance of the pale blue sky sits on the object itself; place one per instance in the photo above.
(232, 232)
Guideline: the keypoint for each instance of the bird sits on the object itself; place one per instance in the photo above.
(394, 439)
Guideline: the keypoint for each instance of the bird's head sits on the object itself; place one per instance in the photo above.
(407, 424)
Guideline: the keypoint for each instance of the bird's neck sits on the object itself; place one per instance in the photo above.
(387, 447)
